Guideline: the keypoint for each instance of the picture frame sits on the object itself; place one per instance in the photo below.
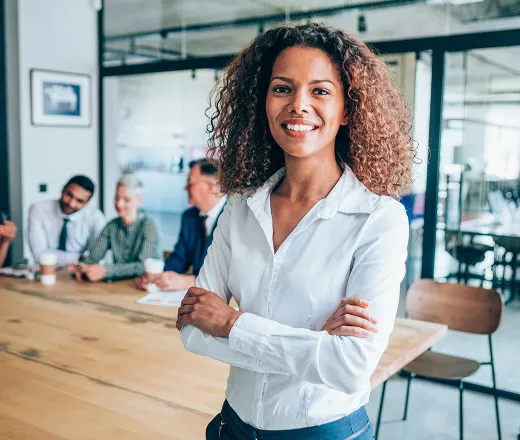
(60, 98)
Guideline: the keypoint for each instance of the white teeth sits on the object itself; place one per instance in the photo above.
(300, 127)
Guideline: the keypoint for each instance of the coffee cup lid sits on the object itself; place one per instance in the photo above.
(48, 258)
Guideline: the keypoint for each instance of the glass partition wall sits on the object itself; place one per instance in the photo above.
(478, 219)
(154, 126)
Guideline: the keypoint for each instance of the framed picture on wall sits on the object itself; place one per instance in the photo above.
(60, 98)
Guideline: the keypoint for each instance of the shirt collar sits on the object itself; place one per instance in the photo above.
(348, 196)
(215, 211)
(72, 217)
(140, 217)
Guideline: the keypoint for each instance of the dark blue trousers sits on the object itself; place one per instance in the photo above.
(228, 426)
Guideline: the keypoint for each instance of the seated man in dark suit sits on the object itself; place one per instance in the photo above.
(197, 226)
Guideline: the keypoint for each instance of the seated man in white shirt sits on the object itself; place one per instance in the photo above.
(67, 226)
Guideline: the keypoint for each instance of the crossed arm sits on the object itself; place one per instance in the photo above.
(211, 328)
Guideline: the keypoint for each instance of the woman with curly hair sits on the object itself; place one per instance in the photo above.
(312, 140)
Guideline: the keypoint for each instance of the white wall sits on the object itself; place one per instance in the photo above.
(56, 35)
(155, 117)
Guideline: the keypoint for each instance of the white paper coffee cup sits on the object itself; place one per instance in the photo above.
(48, 262)
(152, 267)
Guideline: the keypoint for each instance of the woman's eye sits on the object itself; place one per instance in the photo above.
(320, 92)
(280, 89)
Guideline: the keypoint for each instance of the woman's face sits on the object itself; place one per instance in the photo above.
(305, 104)
(127, 203)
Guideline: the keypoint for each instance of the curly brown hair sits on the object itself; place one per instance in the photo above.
(376, 143)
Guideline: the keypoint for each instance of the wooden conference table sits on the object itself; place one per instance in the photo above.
(87, 362)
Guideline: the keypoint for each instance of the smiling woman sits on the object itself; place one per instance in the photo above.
(313, 146)
(132, 237)
(376, 142)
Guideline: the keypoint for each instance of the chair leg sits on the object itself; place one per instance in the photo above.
(461, 412)
(380, 414)
(513, 280)
(492, 363)
(410, 377)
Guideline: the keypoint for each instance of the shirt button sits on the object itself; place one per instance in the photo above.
(238, 345)
(257, 403)
(259, 362)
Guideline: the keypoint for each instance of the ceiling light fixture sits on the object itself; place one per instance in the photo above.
(361, 23)
(453, 2)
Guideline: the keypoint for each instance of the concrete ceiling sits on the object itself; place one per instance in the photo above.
(489, 72)
(418, 18)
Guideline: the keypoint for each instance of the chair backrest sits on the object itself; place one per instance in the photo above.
(463, 308)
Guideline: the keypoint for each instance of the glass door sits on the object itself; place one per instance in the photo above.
(478, 226)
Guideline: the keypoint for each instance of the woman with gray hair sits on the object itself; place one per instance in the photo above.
(131, 236)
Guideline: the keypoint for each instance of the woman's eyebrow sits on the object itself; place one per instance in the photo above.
(317, 81)
(282, 78)
(314, 81)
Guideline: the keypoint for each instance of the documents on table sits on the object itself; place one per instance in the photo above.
(168, 298)
(29, 273)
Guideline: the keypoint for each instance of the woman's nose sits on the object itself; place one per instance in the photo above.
(299, 103)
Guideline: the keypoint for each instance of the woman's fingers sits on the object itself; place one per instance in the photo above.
(185, 310)
(350, 331)
(182, 320)
(350, 309)
(355, 301)
(352, 321)
(189, 300)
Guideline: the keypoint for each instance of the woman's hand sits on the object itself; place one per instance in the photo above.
(206, 311)
(351, 319)
(94, 272)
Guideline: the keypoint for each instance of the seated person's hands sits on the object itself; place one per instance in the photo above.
(76, 269)
(95, 272)
(351, 318)
(92, 272)
(141, 282)
(170, 281)
(7, 231)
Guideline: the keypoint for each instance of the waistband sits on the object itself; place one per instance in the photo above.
(344, 428)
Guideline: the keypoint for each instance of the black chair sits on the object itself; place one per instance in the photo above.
(459, 245)
(507, 252)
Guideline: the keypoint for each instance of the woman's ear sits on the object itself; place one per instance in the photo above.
(344, 120)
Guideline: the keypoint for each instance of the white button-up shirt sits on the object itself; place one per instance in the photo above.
(286, 373)
(45, 224)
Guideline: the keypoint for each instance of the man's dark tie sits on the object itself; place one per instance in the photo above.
(203, 230)
(63, 236)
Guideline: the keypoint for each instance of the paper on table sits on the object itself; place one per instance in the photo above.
(18, 273)
(168, 298)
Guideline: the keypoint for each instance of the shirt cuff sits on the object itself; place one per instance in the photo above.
(111, 272)
(250, 334)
